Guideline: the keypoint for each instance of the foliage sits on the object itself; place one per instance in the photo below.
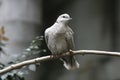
(35, 46)
(2, 33)
(3, 39)
(12, 76)
(33, 49)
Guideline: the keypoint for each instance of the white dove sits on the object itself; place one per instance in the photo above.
(59, 39)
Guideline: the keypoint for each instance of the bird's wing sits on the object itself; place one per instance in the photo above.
(69, 38)
(46, 35)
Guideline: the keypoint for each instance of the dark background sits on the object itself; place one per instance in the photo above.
(95, 24)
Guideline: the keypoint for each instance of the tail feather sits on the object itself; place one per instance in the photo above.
(70, 63)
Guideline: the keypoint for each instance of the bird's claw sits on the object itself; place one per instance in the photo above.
(71, 52)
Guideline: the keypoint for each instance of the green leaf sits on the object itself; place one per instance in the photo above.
(32, 67)
(35, 46)
(2, 44)
(2, 65)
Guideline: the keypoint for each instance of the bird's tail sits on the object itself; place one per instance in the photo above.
(70, 63)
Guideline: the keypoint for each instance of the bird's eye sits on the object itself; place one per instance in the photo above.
(64, 16)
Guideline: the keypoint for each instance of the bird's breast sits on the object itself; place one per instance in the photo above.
(61, 44)
(58, 43)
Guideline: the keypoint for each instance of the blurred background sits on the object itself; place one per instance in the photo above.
(96, 26)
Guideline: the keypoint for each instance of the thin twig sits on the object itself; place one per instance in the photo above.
(50, 57)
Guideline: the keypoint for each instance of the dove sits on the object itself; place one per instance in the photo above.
(59, 39)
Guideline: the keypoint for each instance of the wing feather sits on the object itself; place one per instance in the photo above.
(46, 36)
(69, 38)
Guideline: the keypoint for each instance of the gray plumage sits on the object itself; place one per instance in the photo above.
(59, 39)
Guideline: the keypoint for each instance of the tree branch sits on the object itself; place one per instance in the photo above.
(51, 57)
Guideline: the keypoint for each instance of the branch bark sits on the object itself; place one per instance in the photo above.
(51, 57)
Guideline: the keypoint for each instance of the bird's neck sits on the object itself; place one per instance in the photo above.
(62, 23)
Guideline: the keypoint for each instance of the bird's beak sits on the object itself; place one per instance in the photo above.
(70, 18)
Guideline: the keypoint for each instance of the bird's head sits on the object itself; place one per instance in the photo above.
(64, 18)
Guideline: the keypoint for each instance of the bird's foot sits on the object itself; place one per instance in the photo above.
(71, 52)
(55, 55)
